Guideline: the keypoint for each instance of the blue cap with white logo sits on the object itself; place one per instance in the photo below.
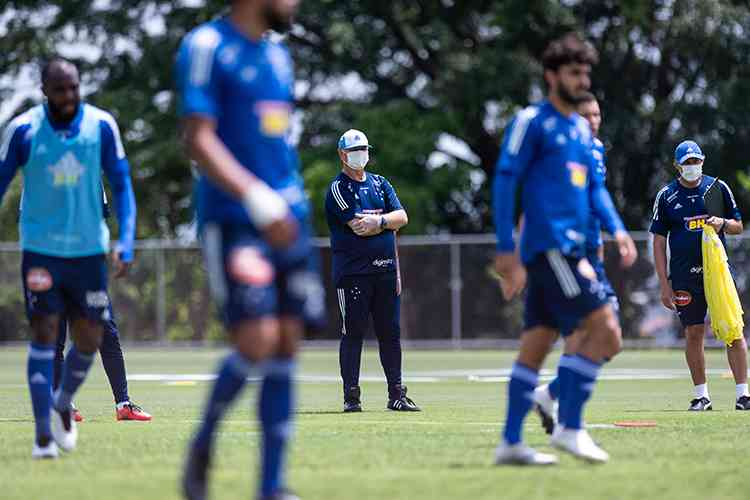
(686, 150)
(353, 139)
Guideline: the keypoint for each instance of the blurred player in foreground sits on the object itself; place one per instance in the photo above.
(548, 148)
(236, 92)
(364, 213)
(679, 216)
(547, 395)
(63, 146)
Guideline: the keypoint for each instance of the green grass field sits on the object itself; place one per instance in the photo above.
(445, 452)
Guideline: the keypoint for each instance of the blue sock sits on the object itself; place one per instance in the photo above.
(582, 373)
(275, 411)
(75, 369)
(554, 388)
(39, 374)
(562, 379)
(114, 363)
(233, 372)
(523, 380)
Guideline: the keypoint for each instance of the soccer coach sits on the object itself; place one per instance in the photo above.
(363, 214)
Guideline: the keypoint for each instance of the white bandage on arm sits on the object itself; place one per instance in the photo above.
(264, 206)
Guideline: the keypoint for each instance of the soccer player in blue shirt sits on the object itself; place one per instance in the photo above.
(548, 149)
(63, 146)
(363, 214)
(546, 396)
(679, 216)
(236, 98)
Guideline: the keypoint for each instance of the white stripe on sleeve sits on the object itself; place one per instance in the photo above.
(336, 191)
(202, 48)
(519, 129)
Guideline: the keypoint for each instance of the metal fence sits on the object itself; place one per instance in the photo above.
(447, 293)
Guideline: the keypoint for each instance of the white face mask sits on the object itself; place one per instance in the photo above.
(692, 173)
(357, 159)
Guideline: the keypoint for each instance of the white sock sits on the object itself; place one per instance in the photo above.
(122, 405)
(742, 390)
(701, 391)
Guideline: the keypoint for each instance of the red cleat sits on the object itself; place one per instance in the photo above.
(130, 411)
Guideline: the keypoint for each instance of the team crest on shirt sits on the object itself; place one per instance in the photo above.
(695, 223)
(66, 171)
(578, 174)
(274, 117)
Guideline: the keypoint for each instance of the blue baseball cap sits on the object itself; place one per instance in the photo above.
(686, 150)
(353, 139)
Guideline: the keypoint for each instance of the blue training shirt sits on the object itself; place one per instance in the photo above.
(246, 86)
(551, 156)
(62, 213)
(679, 215)
(353, 254)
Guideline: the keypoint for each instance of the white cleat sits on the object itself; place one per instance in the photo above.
(520, 454)
(579, 444)
(546, 407)
(64, 429)
(44, 452)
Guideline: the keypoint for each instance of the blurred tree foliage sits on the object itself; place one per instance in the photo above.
(432, 83)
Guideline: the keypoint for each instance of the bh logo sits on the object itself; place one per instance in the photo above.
(695, 223)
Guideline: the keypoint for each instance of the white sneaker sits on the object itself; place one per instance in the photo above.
(520, 454)
(41, 452)
(546, 407)
(579, 444)
(64, 430)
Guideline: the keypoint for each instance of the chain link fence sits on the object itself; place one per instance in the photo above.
(448, 295)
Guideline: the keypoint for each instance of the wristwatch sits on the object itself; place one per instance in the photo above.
(383, 222)
(723, 223)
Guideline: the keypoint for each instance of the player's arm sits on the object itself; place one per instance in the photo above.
(117, 169)
(731, 223)
(604, 209)
(340, 205)
(14, 152)
(199, 90)
(518, 148)
(660, 229)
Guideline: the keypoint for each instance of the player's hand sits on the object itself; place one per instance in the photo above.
(715, 222)
(626, 247)
(281, 233)
(667, 296)
(121, 267)
(366, 225)
(512, 274)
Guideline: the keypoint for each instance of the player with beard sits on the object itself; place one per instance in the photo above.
(548, 149)
(236, 99)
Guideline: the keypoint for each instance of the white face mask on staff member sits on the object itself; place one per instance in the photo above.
(689, 159)
(354, 149)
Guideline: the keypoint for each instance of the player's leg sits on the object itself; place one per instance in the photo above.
(62, 335)
(241, 280)
(535, 344)
(43, 306)
(354, 294)
(691, 309)
(386, 314)
(737, 356)
(276, 407)
(113, 361)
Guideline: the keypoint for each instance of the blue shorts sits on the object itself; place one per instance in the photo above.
(690, 302)
(250, 280)
(74, 287)
(366, 296)
(561, 292)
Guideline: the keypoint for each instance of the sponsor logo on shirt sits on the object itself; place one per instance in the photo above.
(682, 298)
(382, 262)
(66, 171)
(695, 223)
(578, 174)
(274, 117)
